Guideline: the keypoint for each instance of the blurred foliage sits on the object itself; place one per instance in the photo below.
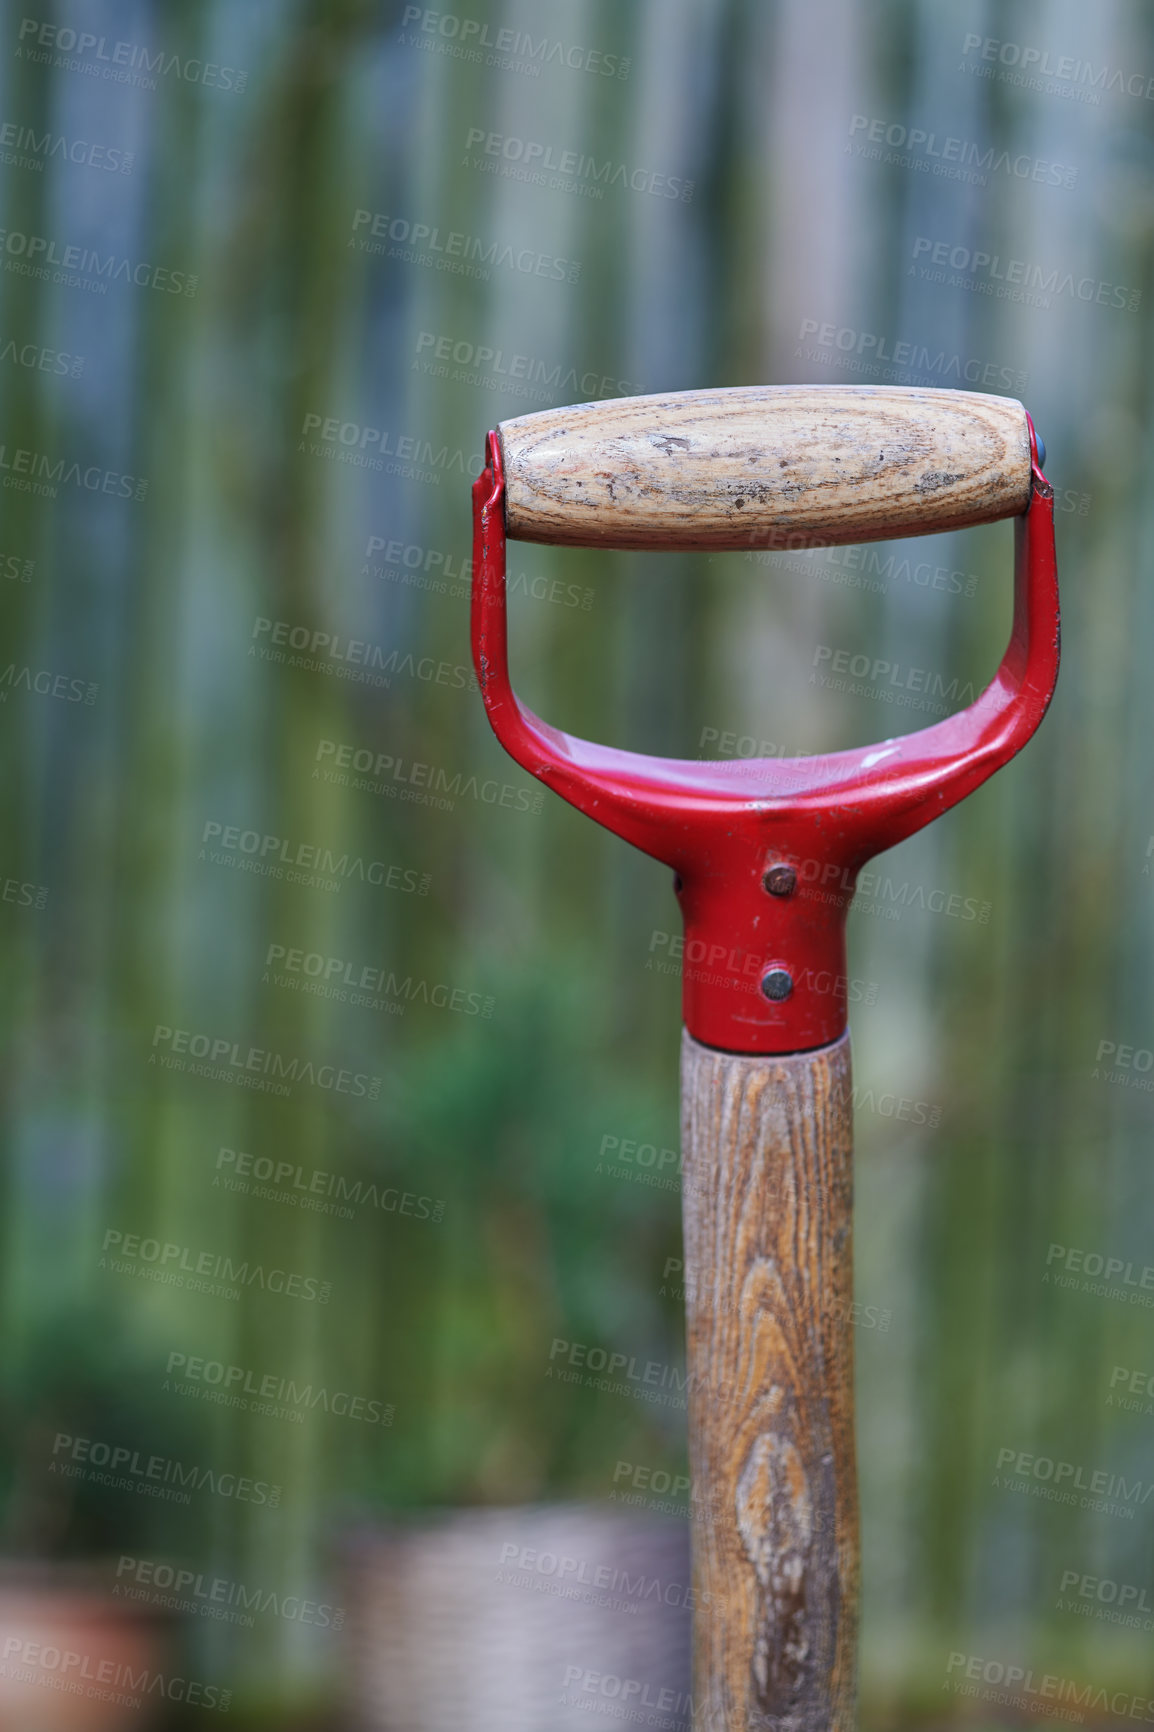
(543, 1245)
(81, 1374)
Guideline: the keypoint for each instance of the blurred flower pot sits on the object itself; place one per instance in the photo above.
(72, 1658)
(511, 1620)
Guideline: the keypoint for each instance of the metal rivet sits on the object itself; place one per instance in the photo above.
(776, 984)
(678, 883)
(780, 880)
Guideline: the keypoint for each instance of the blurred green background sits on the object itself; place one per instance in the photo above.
(270, 272)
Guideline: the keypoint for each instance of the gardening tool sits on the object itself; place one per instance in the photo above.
(765, 1061)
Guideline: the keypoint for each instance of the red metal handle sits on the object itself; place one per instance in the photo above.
(755, 843)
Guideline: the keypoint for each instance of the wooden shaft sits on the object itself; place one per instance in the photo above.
(768, 1206)
(764, 466)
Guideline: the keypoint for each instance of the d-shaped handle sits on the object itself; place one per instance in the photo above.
(765, 968)
(765, 466)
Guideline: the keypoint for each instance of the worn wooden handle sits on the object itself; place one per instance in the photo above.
(768, 1205)
(764, 466)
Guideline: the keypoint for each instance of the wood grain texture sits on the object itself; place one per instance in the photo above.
(768, 1205)
(764, 466)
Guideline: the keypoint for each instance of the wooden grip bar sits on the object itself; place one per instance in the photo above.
(764, 466)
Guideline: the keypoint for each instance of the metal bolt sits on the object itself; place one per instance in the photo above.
(780, 880)
(777, 983)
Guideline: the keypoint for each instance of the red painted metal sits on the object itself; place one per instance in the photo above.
(721, 825)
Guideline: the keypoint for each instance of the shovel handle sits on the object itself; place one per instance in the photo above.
(768, 1206)
(765, 466)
